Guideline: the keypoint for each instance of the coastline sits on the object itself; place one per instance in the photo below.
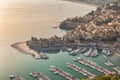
(22, 47)
(80, 2)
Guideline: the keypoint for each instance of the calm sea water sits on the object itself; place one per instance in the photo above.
(21, 19)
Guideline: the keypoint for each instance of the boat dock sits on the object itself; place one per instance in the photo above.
(44, 56)
(75, 52)
(94, 53)
(107, 52)
(15, 77)
(117, 69)
(93, 65)
(108, 63)
(40, 76)
(83, 50)
(88, 53)
(80, 70)
(61, 72)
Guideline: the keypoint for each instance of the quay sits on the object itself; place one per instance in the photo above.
(93, 65)
(61, 72)
(81, 71)
(23, 48)
(39, 75)
(15, 77)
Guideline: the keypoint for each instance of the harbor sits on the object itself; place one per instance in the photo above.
(93, 65)
(108, 63)
(21, 19)
(117, 69)
(91, 52)
(75, 52)
(65, 73)
(81, 71)
(15, 77)
(107, 52)
(61, 72)
(39, 76)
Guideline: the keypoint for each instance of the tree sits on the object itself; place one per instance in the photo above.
(114, 78)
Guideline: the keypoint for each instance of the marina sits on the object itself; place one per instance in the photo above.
(117, 69)
(81, 71)
(107, 52)
(61, 72)
(88, 53)
(93, 65)
(75, 52)
(83, 50)
(94, 53)
(21, 19)
(39, 76)
(108, 63)
(15, 77)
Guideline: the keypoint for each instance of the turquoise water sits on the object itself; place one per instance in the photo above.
(21, 19)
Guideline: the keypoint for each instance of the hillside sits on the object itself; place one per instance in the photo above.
(72, 23)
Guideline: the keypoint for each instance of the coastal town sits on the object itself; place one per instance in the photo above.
(98, 29)
(96, 33)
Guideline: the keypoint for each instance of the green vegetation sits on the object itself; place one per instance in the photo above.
(109, 77)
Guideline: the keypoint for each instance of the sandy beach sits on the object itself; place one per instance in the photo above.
(77, 1)
(21, 47)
